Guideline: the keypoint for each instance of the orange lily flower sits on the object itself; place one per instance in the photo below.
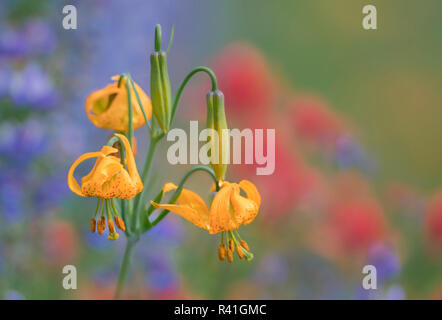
(228, 211)
(108, 179)
(107, 108)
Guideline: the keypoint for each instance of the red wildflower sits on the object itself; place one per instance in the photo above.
(433, 222)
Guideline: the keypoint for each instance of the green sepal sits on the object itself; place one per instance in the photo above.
(160, 90)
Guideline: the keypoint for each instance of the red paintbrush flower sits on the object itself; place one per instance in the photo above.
(245, 78)
(433, 222)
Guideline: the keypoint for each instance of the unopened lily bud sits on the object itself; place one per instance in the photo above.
(120, 223)
(93, 225)
(239, 252)
(160, 84)
(110, 223)
(222, 252)
(216, 120)
(229, 255)
(244, 245)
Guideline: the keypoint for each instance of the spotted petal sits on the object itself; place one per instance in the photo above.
(245, 210)
(190, 206)
(220, 216)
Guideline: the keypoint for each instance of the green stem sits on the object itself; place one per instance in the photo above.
(175, 196)
(184, 83)
(144, 175)
(158, 38)
(121, 149)
(149, 159)
(130, 132)
(146, 120)
(125, 266)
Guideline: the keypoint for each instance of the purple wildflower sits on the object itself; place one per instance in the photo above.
(33, 87)
(386, 261)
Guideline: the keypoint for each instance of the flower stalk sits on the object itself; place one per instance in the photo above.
(124, 107)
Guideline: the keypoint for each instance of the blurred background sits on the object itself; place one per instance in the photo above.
(358, 119)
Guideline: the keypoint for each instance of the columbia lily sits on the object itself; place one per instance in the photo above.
(108, 179)
(107, 108)
(228, 211)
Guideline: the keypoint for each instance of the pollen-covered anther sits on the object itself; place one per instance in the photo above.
(229, 255)
(100, 226)
(93, 225)
(231, 245)
(120, 223)
(222, 252)
(244, 245)
(110, 223)
(239, 252)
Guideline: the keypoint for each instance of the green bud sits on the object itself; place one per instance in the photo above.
(160, 90)
(216, 119)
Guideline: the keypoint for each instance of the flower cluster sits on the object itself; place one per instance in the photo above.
(123, 107)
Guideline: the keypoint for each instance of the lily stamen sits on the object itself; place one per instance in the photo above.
(118, 221)
(244, 245)
(241, 250)
(112, 234)
(229, 255)
(222, 249)
(93, 225)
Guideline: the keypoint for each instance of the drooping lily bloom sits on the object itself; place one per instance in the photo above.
(108, 179)
(228, 211)
(107, 108)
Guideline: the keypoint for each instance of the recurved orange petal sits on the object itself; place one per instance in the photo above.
(220, 217)
(194, 201)
(107, 108)
(169, 186)
(251, 191)
(245, 210)
(186, 212)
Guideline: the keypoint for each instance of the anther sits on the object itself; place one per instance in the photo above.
(231, 245)
(120, 223)
(239, 252)
(100, 227)
(229, 255)
(222, 252)
(103, 222)
(110, 223)
(244, 245)
(93, 225)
